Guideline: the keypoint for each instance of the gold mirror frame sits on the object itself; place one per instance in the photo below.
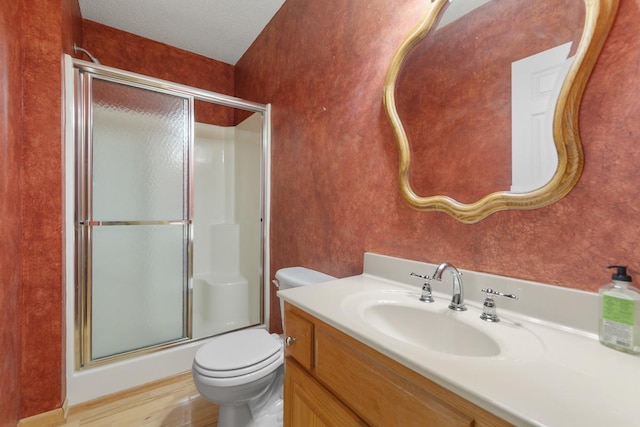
(599, 16)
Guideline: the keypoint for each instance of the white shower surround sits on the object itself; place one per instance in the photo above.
(226, 224)
(82, 386)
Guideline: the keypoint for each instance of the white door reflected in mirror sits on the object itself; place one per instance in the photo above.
(535, 86)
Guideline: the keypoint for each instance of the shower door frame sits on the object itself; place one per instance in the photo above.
(81, 294)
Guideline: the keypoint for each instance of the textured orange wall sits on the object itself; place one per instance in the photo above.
(47, 28)
(10, 209)
(334, 159)
(129, 52)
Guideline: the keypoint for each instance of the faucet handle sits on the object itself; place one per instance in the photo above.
(489, 312)
(426, 295)
(490, 291)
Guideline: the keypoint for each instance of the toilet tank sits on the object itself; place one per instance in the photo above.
(293, 277)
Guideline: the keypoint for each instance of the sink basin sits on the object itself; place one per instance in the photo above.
(400, 320)
(437, 331)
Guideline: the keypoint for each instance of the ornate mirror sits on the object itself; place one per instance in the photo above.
(483, 97)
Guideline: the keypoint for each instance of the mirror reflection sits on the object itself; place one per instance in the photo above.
(477, 96)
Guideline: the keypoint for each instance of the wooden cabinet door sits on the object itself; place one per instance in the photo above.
(374, 391)
(308, 404)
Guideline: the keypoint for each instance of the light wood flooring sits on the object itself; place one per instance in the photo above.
(172, 402)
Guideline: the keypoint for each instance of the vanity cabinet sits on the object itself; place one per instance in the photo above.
(332, 379)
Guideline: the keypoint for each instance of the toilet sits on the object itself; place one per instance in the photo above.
(243, 371)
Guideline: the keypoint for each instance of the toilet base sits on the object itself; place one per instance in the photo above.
(232, 416)
(272, 416)
(267, 410)
(240, 416)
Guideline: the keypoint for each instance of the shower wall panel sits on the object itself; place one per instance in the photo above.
(247, 206)
(227, 232)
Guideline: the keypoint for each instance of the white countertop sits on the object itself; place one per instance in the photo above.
(570, 379)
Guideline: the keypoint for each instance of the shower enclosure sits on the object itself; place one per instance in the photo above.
(168, 213)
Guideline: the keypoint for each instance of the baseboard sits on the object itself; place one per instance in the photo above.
(46, 418)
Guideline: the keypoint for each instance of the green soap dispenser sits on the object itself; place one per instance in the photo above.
(620, 313)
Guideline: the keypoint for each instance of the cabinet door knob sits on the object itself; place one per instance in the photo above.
(290, 340)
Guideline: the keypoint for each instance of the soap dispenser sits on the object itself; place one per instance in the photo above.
(619, 313)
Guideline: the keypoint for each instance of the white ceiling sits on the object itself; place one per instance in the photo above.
(219, 29)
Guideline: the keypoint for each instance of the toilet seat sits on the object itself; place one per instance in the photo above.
(212, 373)
(240, 380)
(240, 353)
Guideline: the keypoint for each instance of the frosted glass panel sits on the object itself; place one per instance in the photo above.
(139, 140)
(138, 287)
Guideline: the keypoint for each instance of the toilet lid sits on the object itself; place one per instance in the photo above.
(237, 350)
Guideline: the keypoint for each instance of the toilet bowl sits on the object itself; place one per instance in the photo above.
(243, 371)
(235, 369)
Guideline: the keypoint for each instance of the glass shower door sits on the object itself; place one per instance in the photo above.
(134, 219)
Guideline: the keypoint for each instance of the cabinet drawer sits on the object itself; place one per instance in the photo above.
(298, 338)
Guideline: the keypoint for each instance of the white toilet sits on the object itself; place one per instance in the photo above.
(243, 371)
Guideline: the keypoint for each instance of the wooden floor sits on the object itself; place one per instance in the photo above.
(172, 402)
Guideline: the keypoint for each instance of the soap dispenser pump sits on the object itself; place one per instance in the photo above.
(620, 312)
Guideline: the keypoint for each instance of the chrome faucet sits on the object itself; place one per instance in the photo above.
(457, 299)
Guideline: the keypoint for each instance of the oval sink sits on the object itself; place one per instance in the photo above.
(413, 325)
(436, 331)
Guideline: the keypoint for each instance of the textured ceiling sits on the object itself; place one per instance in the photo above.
(218, 29)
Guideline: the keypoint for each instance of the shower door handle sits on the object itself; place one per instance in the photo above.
(158, 222)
